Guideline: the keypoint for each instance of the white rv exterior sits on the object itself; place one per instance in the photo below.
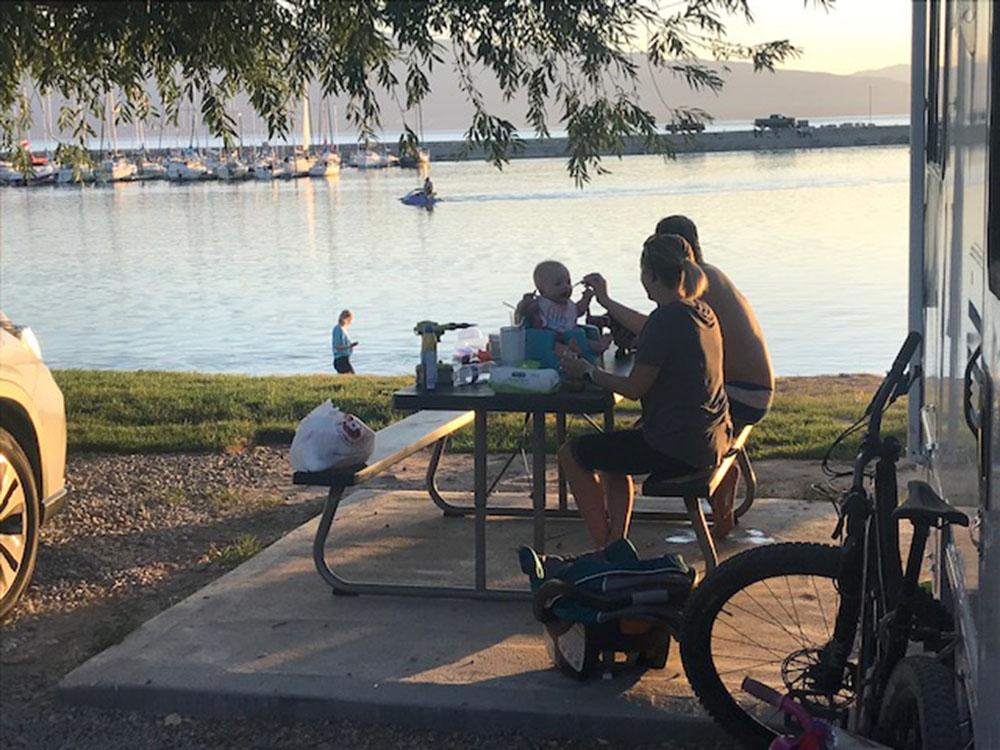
(954, 426)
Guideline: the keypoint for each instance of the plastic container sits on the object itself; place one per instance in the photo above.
(511, 346)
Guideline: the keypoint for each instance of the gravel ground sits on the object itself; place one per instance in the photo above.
(138, 534)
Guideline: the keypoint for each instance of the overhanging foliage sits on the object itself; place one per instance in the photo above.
(576, 60)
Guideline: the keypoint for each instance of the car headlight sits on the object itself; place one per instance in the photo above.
(29, 339)
(23, 333)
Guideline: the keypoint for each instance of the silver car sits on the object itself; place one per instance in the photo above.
(32, 456)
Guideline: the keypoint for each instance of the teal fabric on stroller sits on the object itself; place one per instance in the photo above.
(600, 604)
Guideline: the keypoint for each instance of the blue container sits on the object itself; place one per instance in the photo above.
(539, 344)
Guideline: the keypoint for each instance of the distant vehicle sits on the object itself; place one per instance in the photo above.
(774, 122)
(32, 456)
(684, 127)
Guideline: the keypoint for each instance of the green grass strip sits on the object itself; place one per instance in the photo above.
(169, 412)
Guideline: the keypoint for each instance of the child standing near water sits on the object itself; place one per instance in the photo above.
(342, 344)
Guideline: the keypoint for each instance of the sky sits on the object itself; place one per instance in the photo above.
(854, 35)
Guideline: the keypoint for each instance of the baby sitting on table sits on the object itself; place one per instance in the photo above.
(553, 309)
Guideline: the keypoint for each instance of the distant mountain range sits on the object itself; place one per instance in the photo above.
(746, 95)
(899, 72)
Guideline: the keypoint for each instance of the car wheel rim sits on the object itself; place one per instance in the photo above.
(13, 526)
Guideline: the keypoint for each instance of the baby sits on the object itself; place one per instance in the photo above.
(553, 308)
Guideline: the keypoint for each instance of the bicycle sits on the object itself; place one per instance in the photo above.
(834, 624)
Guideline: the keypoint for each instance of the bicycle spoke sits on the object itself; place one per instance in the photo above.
(802, 640)
(745, 638)
(750, 666)
(798, 620)
(822, 610)
(771, 618)
(761, 646)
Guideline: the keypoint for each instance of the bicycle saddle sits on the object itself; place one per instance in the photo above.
(924, 506)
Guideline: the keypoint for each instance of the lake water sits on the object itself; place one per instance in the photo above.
(250, 277)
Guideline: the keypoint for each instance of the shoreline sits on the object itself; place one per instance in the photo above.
(842, 136)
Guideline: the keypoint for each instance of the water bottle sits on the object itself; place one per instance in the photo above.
(428, 357)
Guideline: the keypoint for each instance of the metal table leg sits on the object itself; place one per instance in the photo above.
(343, 587)
(479, 473)
(538, 477)
(560, 439)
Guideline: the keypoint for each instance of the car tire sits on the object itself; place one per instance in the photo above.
(20, 513)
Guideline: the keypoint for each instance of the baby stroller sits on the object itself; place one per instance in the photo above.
(598, 605)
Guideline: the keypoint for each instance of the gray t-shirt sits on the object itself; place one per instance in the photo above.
(685, 414)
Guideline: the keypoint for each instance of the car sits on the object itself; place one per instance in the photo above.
(32, 456)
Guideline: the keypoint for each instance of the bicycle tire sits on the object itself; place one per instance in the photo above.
(732, 577)
(920, 708)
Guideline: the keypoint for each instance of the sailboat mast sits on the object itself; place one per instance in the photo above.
(306, 125)
(111, 120)
(336, 144)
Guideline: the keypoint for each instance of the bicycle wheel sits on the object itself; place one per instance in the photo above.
(919, 708)
(765, 613)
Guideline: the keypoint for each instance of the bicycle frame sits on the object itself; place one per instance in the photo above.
(874, 589)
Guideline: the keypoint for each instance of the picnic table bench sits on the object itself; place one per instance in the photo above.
(702, 485)
(392, 444)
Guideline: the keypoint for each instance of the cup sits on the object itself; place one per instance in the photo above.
(511, 346)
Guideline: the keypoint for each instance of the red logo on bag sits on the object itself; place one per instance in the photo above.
(351, 428)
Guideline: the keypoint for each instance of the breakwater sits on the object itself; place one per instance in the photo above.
(741, 140)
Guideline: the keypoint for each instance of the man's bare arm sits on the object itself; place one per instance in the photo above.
(631, 319)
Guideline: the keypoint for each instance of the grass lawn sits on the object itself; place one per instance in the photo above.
(165, 412)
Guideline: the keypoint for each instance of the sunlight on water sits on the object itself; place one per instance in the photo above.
(249, 277)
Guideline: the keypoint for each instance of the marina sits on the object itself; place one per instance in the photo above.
(266, 162)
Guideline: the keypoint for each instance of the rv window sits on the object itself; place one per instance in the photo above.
(993, 194)
(933, 74)
(938, 51)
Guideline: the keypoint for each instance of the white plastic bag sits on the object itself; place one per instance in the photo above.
(327, 438)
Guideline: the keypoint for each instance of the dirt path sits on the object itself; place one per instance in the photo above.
(140, 533)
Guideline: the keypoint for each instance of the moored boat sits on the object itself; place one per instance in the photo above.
(186, 169)
(327, 164)
(115, 169)
(368, 158)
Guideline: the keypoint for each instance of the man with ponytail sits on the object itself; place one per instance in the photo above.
(677, 377)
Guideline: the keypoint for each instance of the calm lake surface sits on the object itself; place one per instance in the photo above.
(250, 277)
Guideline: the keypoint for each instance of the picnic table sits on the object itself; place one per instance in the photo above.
(438, 414)
(481, 399)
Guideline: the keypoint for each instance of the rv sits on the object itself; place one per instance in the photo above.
(954, 416)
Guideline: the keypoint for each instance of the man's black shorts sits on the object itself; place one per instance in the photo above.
(625, 452)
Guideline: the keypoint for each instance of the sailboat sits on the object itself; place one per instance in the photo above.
(416, 157)
(366, 157)
(115, 167)
(328, 162)
(299, 162)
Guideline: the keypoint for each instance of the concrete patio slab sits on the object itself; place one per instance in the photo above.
(269, 639)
